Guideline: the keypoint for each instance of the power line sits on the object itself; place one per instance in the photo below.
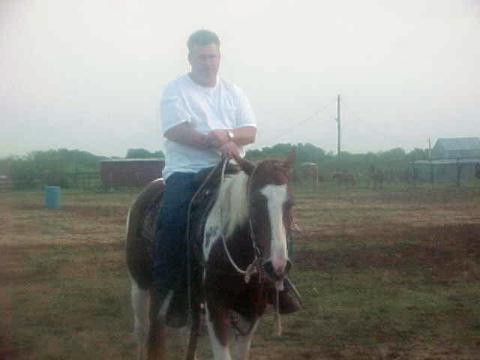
(347, 106)
(304, 121)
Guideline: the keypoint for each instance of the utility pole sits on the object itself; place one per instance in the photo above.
(339, 129)
(432, 173)
(429, 150)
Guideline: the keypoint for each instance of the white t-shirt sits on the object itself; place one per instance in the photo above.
(206, 108)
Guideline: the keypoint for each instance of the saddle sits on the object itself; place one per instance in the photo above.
(208, 182)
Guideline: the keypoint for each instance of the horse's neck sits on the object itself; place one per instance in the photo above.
(231, 205)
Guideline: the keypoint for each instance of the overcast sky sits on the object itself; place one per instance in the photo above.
(88, 74)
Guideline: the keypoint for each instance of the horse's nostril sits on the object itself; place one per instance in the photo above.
(268, 267)
(275, 273)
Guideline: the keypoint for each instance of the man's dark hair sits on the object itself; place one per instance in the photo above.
(202, 38)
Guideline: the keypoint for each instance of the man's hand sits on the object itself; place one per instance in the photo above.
(217, 138)
(229, 150)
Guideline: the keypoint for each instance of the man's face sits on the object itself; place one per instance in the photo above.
(205, 61)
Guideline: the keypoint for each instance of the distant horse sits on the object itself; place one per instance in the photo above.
(377, 177)
(343, 178)
(243, 251)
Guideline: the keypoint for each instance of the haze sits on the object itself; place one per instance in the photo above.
(88, 74)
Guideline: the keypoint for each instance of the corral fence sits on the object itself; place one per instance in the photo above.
(458, 171)
(5, 183)
(78, 180)
(437, 173)
(87, 180)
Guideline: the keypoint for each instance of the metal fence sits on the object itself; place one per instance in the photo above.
(78, 180)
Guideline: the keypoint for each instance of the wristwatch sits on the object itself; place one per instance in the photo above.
(230, 135)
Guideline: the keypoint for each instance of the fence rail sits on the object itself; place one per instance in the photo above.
(77, 180)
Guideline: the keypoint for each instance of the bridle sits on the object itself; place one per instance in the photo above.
(255, 267)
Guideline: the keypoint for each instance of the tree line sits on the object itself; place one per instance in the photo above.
(59, 167)
(56, 167)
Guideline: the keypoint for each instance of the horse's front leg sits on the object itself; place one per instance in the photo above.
(156, 341)
(218, 328)
(242, 343)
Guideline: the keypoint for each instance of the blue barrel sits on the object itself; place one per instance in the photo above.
(52, 197)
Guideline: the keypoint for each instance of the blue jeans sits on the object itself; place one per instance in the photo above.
(169, 257)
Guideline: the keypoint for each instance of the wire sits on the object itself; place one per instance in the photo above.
(307, 119)
(346, 106)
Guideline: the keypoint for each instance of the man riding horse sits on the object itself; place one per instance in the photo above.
(204, 118)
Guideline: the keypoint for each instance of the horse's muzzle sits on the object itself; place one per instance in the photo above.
(277, 272)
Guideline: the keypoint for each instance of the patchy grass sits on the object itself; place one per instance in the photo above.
(383, 275)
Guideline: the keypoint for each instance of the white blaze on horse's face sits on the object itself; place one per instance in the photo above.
(276, 197)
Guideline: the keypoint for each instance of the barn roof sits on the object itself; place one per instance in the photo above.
(465, 143)
(446, 161)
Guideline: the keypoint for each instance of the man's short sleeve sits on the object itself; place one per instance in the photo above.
(244, 115)
(172, 108)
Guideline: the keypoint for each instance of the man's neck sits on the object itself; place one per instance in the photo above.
(203, 81)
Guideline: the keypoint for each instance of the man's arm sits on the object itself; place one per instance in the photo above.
(241, 136)
(228, 141)
(185, 134)
(244, 135)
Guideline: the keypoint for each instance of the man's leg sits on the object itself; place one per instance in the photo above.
(170, 244)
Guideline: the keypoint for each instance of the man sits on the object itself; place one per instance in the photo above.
(203, 117)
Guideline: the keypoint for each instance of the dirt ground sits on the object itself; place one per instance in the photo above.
(383, 275)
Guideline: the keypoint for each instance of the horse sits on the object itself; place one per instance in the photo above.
(244, 255)
(377, 177)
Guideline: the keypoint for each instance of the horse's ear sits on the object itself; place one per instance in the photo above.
(290, 158)
(246, 166)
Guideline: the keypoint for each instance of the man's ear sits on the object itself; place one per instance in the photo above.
(245, 165)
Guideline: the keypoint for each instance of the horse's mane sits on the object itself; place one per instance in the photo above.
(232, 202)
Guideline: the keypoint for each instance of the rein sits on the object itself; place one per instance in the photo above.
(187, 232)
(194, 316)
(252, 268)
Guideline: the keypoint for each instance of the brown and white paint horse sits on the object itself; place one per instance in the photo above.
(244, 254)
